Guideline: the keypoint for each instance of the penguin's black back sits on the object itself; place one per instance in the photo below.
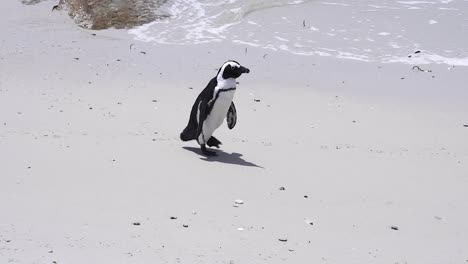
(190, 132)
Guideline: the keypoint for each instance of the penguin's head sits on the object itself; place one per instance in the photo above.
(232, 69)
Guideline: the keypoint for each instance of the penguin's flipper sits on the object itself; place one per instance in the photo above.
(213, 142)
(231, 116)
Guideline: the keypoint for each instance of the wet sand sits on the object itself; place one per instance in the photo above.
(335, 161)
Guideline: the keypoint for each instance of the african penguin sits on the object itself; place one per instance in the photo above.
(212, 105)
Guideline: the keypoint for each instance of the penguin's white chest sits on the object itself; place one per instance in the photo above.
(218, 113)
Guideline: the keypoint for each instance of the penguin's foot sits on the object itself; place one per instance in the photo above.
(207, 152)
(213, 142)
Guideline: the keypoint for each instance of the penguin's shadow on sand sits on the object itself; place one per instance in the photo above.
(223, 157)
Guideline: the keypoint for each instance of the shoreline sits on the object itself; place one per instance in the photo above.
(359, 32)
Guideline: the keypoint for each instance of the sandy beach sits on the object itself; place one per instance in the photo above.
(333, 160)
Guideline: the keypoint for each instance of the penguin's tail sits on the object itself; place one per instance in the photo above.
(187, 134)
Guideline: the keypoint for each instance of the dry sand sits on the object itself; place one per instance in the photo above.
(92, 169)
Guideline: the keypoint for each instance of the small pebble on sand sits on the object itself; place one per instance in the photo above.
(238, 201)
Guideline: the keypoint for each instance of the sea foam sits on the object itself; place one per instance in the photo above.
(388, 33)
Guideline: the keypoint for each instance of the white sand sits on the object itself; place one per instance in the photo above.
(85, 153)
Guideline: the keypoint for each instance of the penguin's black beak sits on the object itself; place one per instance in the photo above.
(244, 69)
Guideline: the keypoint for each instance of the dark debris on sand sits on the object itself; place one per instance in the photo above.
(31, 2)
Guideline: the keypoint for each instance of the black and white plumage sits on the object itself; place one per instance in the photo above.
(212, 105)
